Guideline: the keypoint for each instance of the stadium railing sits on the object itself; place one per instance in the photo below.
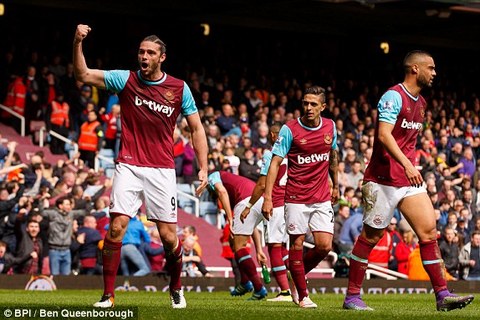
(16, 115)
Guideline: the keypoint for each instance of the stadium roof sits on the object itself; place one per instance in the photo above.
(444, 23)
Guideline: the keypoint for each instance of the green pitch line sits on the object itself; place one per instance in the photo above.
(221, 306)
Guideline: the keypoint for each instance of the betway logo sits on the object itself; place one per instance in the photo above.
(152, 105)
(313, 158)
(411, 125)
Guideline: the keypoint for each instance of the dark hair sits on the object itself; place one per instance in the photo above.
(410, 57)
(316, 90)
(155, 39)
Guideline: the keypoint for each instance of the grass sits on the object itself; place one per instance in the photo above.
(219, 305)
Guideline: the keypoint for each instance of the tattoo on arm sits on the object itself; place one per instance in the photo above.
(333, 159)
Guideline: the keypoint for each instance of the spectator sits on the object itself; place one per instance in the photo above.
(60, 235)
(191, 231)
(131, 255)
(450, 251)
(342, 215)
(110, 119)
(88, 237)
(248, 166)
(90, 139)
(355, 176)
(58, 120)
(470, 258)
(192, 260)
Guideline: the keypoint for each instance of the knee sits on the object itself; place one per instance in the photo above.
(116, 231)
(323, 249)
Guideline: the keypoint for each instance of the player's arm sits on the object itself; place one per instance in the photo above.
(88, 76)
(199, 142)
(267, 207)
(257, 240)
(333, 172)
(333, 166)
(225, 200)
(256, 194)
(279, 151)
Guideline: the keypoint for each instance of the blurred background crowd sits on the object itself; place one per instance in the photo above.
(53, 213)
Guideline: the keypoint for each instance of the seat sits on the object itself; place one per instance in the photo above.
(209, 211)
(107, 166)
(183, 202)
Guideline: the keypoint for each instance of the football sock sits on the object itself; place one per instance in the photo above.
(433, 264)
(174, 265)
(312, 258)
(278, 266)
(298, 272)
(246, 264)
(358, 265)
(111, 253)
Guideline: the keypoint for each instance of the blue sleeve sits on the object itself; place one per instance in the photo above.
(214, 178)
(188, 104)
(389, 106)
(334, 143)
(115, 80)
(266, 160)
(283, 143)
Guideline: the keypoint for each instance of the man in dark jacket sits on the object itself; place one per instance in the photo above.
(88, 237)
(29, 249)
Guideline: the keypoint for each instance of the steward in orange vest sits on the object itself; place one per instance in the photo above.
(91, 139)
(58, 120)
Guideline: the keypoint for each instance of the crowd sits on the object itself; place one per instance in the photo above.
(40, 201)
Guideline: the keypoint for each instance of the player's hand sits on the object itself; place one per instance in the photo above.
(267, 209)
(414, 176)
(335, 195)
(244, 214)
(261, 258)
(82, 32)
(203, 177)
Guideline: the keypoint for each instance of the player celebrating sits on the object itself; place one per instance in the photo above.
(391, 180)
(275, 231)
(310, 144)
(151, 101)
(234, 190)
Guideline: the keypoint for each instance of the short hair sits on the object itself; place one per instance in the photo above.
(3, 244)
(275, 127)
(61, 199)
(155, 39)
(316, 90)
(412, 58)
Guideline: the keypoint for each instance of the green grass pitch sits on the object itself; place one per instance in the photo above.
(220, 305)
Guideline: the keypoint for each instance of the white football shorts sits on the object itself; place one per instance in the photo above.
(253, 219)
(380, 201)
(275, 230)
(316, 216)
(156, 186)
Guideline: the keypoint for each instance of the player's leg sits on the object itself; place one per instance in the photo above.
(160, 190)
(418, 211)
(242, 232)
(246, 266)
(321, 224)
(274, 237)
(296, 220)
(380, 201)
(111, 255)
(323, 245)
(173, 257)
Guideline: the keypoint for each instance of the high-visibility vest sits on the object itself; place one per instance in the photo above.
(16, 95)
(380, 254)
(88, 137)
(59, 114)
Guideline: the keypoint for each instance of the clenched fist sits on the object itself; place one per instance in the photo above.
(82, 32)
